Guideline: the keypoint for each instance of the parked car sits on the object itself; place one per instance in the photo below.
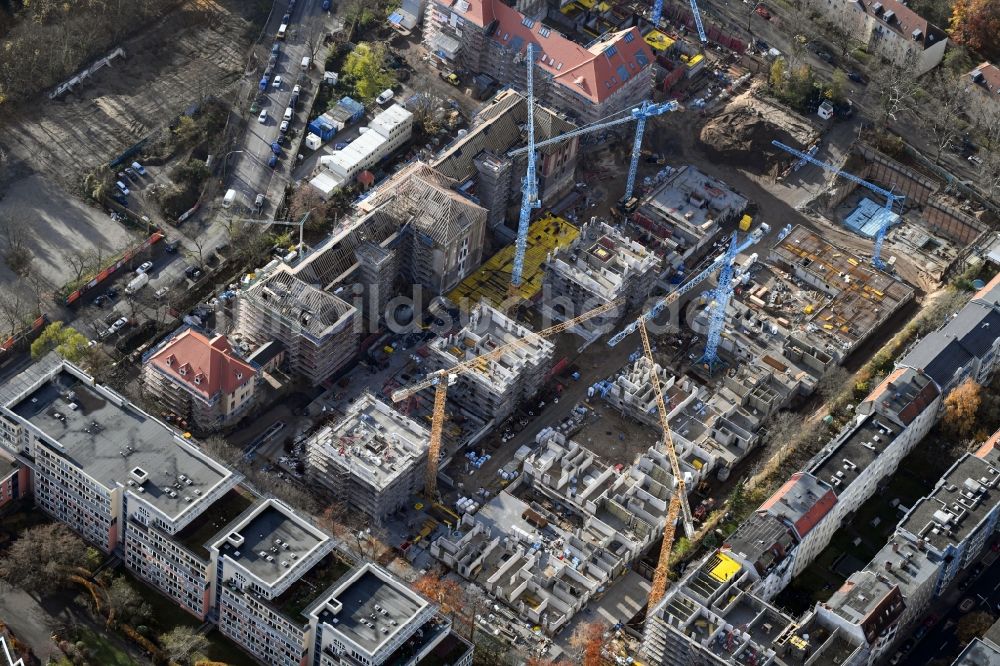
(262, 118)
(276, 84)
(144, 267)
(296, 89)
(118, 325)
(193, 272)
(122, 188)
(824, 56)
(139, 169)
(856, 77)
(283, 127)
(100, 301)
(762, 11)
(276, 47)
(340, 145)
(272, 161)
(171, 246)
(451, 77)
(385, 96)
(111, 293)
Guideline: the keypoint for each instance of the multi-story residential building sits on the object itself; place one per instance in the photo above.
(15, 480)
(587, 83)
(887, 425)
(954, 523)
(99, 463)
(316, 327)
(370, 618)
(965, 346)
(200, 379)
(889, 29)
(259, 561)
(493, 391)
(479, 159)
(374, 459)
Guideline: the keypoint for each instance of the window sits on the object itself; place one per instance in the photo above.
(622, 73)
(629, 37)
(641, 59)
(543, 31)
(527, 22)
(610, 51)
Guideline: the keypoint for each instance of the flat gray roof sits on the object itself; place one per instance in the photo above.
(273, 541)
(963, 497)
(108, 440)
(856, 451)
(359, 597)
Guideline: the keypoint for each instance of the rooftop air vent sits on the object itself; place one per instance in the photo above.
(235, 539)
(139, 475)
(890, 16)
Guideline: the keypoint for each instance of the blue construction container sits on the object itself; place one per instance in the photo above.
(323, 128)
(357, 109)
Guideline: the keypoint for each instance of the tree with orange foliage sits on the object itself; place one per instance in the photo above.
(587, 641)
(961, 408)
(975, 24)
(459, 602)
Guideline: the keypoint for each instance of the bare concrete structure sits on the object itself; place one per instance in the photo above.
(316, 327)
(522, 549)
(373, 459)
(600, 266)
(492, 391)
(681, 217)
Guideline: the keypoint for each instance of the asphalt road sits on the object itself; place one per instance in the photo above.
(940, 642)
(248, 172)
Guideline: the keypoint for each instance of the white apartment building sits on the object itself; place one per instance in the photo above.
(889, 29)
(101, 463)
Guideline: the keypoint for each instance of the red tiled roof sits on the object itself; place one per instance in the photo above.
(203, 365)
(595, 73)
(988, 445)
(990, 75)
(809, 518)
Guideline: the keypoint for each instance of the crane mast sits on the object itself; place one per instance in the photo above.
(720, 297)
(529, 189)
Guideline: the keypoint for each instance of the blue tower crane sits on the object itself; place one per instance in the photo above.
(529, 189)
(755, 236)
(720, 297)
(640, 114)
(658, 14)
(890, 198)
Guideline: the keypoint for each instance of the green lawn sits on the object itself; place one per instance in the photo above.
(102, 650)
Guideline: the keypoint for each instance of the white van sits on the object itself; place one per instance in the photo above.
(228, 200)
(385, 97)
(282, 29)
(288, 114)
(306, 61)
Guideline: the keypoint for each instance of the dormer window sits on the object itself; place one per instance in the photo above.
(184, 369)
(197, 378)
(239, 375)
(171, 360)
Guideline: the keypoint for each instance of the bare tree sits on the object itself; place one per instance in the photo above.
(939, 116)
(199, 246)
(895, 88)
(990, 173)
(15, 310)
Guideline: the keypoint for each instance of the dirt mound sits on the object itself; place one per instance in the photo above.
(742, 134)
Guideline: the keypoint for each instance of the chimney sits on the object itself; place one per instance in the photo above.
(888, 565)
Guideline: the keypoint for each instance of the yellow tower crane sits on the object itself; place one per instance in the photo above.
(442, 379)
(678, 501)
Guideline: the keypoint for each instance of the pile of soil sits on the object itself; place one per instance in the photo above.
(742, 134)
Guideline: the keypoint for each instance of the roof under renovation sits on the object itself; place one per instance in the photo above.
(313, 310)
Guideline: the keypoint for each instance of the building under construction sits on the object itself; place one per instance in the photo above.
(478, 160)
(600, 266)
(372, 460)
(316, 327)
(847, 299)
(493, 390)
